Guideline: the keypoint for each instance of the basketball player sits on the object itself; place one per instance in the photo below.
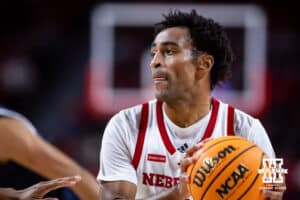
(143, 146)
(20, 143)
(38, 190)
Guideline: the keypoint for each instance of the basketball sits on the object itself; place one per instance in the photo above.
(227, 168)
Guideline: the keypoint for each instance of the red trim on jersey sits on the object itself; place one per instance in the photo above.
(141, 136)
(230, 121)
(213, 118)
(162, 128)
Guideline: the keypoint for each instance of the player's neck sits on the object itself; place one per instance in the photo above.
(186, 113)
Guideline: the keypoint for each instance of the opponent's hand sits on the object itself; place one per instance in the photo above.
(39, 190)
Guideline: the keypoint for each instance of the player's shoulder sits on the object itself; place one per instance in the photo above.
(4, 112)
(243, 116)
(238, 114)
(134, 111)
(242, 120)
(16, 119)
(131, 115)
(124, 124)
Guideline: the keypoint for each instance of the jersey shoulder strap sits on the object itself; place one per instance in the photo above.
(230, 121)
(141, 135)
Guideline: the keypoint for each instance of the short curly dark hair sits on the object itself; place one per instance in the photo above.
(207, 36)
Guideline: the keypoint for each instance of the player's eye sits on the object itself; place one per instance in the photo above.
(170, 52)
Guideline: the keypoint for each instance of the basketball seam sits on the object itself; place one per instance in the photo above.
(225, 140)
(244, 151)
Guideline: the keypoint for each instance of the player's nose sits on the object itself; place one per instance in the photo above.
(156, 61)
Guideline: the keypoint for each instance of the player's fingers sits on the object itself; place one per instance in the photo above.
(59, 182)
(45, 187)
(189, 152)
(183, 190)
(206, 140)
(50, 198)
(184, 179)
(196, 147)
(185, 163)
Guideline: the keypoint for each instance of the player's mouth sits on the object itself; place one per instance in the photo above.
(160, 78)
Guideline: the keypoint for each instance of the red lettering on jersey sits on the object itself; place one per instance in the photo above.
(148, 179)
(176, 180)
(168, 182)
(159, 180)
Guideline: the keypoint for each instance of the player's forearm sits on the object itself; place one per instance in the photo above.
(8, 194)
(55, 164)
(59, 168)
(109, 196)
(87, 188)
(172, 194)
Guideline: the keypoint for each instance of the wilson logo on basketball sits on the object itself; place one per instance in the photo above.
(209, 165)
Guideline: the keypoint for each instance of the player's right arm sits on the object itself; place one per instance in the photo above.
(117, 176)
(117, 190)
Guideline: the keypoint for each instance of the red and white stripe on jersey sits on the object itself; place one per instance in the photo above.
(212, 121)
(163, 132)
(230, 121)
(141, 136)
(162, 129)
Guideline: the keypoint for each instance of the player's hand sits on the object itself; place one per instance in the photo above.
(39, 190)
(273, 195)
(188, 159)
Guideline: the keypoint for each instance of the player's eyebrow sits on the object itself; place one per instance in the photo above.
(165, 44)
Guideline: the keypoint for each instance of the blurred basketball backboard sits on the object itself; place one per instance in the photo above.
(121, 34)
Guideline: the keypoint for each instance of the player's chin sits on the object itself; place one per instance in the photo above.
(161, 95)
(161, 86)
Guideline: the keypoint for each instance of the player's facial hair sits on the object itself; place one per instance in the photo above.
(167, 95)
(162, 95)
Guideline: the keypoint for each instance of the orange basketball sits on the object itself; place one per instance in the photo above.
(227, 168)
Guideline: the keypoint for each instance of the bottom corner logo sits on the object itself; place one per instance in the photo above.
(273, 174)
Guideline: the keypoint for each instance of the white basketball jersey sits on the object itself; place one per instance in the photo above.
(151, 157)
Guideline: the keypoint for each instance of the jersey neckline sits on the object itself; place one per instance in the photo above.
(163, 131)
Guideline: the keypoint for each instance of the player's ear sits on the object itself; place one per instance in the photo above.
(205, 62)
